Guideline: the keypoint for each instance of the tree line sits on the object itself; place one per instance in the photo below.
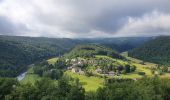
(46, 89)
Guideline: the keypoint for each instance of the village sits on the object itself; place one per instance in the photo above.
(78, 66)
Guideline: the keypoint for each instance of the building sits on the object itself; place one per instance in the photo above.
(98, 70)
(111, 73)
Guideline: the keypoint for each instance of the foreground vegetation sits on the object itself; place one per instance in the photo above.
(117, 89)
(89, 83)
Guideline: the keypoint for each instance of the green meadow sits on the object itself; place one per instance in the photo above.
(89, 83)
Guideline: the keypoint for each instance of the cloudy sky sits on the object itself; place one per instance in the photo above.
(85, 18)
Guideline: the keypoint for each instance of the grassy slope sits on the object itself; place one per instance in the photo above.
(30, 77)
(92, 83)
(89, 83)
(52, 60)
(136, 62)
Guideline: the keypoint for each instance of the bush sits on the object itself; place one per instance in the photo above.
(141, 73)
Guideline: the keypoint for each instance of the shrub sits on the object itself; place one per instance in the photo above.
(141, 73)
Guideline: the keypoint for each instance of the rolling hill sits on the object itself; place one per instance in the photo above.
(157, 51)
(119, 44)
(18, 52)
(90, 50)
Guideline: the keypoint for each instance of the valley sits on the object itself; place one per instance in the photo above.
(65, 69)
(93, 69)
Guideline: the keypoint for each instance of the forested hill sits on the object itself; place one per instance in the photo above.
(17, 52)
(157, 50)
(120, 44)
(91, 50)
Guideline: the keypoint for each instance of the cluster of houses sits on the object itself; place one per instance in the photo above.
(76, 67)
(110, 73)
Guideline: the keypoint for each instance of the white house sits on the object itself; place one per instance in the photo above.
(111, 73)
(98, 70)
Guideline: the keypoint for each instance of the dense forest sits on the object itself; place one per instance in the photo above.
(120, 44)
(18, 52)
(91, 50)
(46, 89)
(157, 51)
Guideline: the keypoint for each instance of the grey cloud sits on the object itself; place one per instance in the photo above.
(6, 27)
(82, 18)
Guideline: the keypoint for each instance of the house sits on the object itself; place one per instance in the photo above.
(73, 60)
(69, 68)
(67, 60)
(81, 72)
(98, 70)
(74, 70)
(111, 73)
(77, 70)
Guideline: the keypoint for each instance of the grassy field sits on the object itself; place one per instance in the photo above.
(93, 83)
(89, 83)
(30, 77)
(52, 60)
(137, 63)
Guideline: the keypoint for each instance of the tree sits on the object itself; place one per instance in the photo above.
(6, 86)
(132, 68)
(76, 92)
(127, 68)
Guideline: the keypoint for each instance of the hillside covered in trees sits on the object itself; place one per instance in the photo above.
(157, 51)
(18, 52)
(120, 44)
(91, 50)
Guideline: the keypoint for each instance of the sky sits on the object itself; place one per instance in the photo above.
(85, 18)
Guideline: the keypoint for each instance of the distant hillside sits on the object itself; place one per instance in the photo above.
(157, 51)
(120, 44)
(91, 50)
(18, 52)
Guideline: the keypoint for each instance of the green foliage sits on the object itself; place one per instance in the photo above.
(141, 73)
(116, 89)
(144, 89)
(43, 69)
(157, 51)
(18, 52)
(46, 89)
(60, 63)
(6, 86)
(91, 50)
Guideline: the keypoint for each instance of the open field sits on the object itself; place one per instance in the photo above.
(30, 77)
(89, 83)
(52, 60)
(136, 62)
(93, 83)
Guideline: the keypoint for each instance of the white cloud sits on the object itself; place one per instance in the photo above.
(85, 18)
(155, 23)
